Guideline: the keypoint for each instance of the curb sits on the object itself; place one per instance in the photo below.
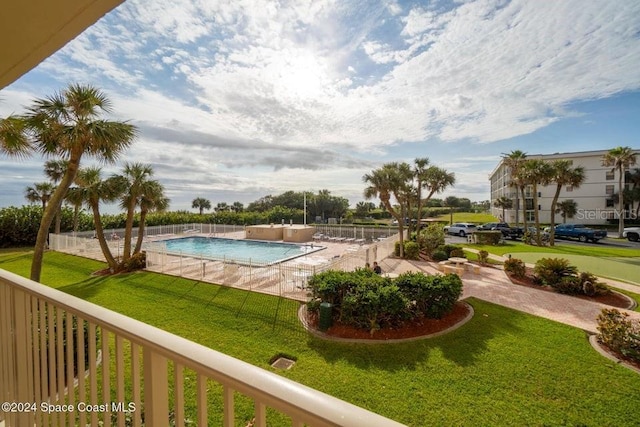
(593, 340)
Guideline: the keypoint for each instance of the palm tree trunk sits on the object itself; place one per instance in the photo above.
(419, 223)
(113, 264)
(58, 221)
(536, 213)
(128, 231)
(49, 213)
(524, 209)
(620, 203)
(143, 215)
(554, 203)
(393, 213)
(76, 215)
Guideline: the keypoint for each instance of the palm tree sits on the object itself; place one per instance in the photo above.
(222, 207)
(504, 203)
(91, 189)
(237, 206)
(74, 197)
(563, 175)
(68, 125)
(153, 199)
(13, 138)
(435, 180)
(54, 170)
(136, 183)
(390, 179)
(619, 159)
(419, 171)
(514, 161)
(567, 208)
(40, 192)
(535, 172)
(201, 203)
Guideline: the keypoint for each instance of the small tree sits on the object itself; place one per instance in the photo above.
(504, 203)
(201, 203)
(431, 238)
(567, 209)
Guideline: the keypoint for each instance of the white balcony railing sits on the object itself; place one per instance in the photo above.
(130, 373)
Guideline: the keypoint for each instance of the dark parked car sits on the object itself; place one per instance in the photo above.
(580, 232)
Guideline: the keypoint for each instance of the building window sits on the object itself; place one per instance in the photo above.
(531, 216)
(529, 204)
(609, 203)
(569, 188)
(609, 190)
(609, 175)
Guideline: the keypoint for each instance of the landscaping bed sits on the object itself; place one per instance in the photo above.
(410, 329)
(611, 298)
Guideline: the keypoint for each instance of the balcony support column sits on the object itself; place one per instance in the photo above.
(156, 395)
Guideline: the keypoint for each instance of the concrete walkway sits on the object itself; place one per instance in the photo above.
(493, 285)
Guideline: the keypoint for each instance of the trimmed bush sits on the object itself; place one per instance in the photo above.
(488, 237)
(367, 300)
(515, 267)
(619, 333)
(431, 296)
(552, 270)
(396, 248)
(439, 256)
(483, 257)
(411, 250)
(448, 248)
(457, 252)
(431, 238)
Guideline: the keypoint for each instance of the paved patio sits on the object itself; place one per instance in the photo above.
(493, 285)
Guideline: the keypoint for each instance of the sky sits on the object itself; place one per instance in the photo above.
(238, 100)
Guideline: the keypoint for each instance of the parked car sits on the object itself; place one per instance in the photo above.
(580, 232)
(631, 233)
(490, 226)
(461, 228)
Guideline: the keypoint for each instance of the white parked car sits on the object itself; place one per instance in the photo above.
(631, 233)
(460, 228)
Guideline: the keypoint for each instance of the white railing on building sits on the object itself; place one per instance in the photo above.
(126, 365)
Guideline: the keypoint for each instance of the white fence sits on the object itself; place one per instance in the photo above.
(144, 373)
(286, 279)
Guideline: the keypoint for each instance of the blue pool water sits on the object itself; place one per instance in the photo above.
(238, 250)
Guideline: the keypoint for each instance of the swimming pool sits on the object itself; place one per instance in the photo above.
(238, 250)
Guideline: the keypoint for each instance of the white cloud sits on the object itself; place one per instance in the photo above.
(353, 76)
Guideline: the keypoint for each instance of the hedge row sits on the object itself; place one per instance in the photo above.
(366, 300)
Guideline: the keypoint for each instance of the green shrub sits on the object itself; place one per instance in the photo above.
(430, 296)
(430, 238)
(483, 257)
(136, 262)
(396, 248)
(619, 333)
(457, 252)
(439, 256)
(448, 248)
(515, 267)
(552, 270)
(411, 250)
(590, 285)
(488, 237)
(568, 285)
(366, 300)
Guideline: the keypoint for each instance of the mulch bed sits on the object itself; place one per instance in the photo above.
(411, 329)
(613, 299)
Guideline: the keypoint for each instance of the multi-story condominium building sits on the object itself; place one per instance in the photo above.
(596, 198)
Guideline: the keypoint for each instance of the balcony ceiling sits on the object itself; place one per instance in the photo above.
(32, 30)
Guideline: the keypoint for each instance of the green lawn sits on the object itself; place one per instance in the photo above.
(501, 368)
(511, 247)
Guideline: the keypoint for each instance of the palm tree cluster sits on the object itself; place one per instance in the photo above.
(532, 173)
(67, 126)
(406, 184)
(620, 159)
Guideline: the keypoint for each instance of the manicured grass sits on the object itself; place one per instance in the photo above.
(510, 247)
(501, 368)
(477, 218)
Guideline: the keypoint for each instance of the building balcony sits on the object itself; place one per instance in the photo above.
(65, 361)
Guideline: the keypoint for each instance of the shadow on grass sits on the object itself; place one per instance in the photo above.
(15, 257)
(85, 289)
(462, 346)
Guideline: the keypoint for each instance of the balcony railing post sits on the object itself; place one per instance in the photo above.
(23, 347)
(156, 395)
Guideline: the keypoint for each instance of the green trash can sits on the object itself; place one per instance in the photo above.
(325, 321)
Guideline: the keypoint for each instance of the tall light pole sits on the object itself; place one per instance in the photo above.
(304, 203)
